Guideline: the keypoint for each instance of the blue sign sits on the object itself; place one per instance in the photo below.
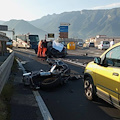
(63, 28)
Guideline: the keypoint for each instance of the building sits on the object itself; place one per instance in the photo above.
(3, 40)
(99, 38)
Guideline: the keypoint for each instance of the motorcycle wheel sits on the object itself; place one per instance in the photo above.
(50, 82)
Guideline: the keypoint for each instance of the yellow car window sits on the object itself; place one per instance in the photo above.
(113, 57)
(114, 53)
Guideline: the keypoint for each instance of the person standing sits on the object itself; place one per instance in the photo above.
(112, 43)
(44, 48)
(40, 49)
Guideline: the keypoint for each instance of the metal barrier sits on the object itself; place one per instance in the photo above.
(5, 69)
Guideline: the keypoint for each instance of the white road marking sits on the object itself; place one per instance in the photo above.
(45, 113)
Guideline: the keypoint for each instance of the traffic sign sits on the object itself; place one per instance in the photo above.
(63, 30)
(63, 27)
(63, 34)
(50, 35)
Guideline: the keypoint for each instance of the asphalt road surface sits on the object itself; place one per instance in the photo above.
(68, 102)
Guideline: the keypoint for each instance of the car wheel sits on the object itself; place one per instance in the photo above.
(89, 88)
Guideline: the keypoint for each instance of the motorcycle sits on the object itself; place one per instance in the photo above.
(59, 73)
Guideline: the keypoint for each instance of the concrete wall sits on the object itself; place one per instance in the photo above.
(5, 69)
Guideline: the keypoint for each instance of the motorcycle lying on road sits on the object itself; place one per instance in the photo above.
(59, 73)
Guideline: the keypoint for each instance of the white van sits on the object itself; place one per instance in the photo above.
(104, 45)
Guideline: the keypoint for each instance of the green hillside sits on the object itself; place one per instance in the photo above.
(83, 24)
(23, 27)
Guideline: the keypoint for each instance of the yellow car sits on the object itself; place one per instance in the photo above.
(102, 77)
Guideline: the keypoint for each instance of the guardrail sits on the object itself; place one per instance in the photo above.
(5, 69)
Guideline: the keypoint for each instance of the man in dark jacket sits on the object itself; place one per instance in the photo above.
(44, 44)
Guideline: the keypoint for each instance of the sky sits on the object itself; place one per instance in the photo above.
(35, 9)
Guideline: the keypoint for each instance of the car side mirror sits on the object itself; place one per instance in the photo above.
(97, 60)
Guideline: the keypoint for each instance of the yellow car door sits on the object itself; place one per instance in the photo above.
(107, 83)
(108, 76)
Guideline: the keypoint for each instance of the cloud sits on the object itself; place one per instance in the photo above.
(107, 6)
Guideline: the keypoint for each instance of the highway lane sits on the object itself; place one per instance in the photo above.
(68, 101)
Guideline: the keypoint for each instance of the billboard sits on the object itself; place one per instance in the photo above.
(50, 35)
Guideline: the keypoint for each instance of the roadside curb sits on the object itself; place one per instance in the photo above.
(23, 103)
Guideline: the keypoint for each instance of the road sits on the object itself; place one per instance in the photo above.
(68, 102)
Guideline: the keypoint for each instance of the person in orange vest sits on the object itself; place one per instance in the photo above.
(40, 49)
(44, 48)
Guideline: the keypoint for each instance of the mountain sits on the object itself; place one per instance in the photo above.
(24, 27)
(83, 24)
